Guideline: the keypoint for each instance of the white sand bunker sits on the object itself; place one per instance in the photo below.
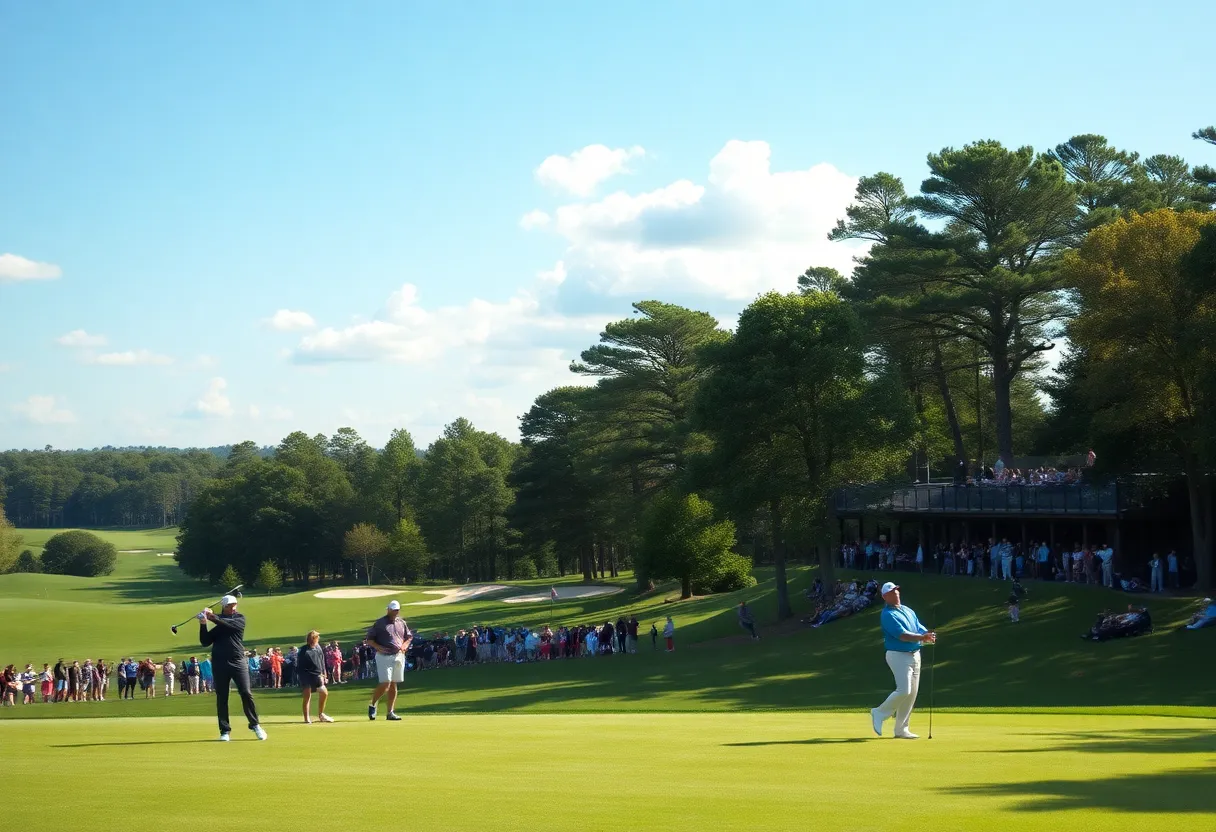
(356, 593)
(564, 592)
(164, 554)
(457, 594)
(133, 551)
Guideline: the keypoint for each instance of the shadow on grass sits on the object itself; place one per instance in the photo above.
(130, 742)
(1188, 790)
(811, 741)
(1136, 741)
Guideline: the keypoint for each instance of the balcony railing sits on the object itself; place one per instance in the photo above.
(981, 499)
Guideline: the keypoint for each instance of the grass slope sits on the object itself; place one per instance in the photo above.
(155, 540)
(983, 660)
(630, 771)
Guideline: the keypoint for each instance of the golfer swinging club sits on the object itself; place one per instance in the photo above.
(227, 642)
(390, 638)
(903, 635)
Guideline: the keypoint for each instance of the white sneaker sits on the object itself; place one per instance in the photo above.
(259, 732)
(326, 718)
(876, 721)
(907, 735)
(224, 738)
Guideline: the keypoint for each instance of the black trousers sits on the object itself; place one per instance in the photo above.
(238, 673)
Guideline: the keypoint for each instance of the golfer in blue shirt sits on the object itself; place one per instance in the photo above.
(903, 635)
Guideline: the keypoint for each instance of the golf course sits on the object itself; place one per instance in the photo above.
(1033, 727)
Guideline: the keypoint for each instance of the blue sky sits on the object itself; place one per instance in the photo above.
(235, 220)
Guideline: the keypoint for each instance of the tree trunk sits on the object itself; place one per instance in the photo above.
(827, 559)
(943, 388)
(686, 586)
(1002, 380)
(1200, 498)
(778, 542)
(588, 554)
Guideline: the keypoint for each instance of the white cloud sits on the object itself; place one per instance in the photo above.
(288, 320)
(44, 410)
(581, 171)
(4, 368)
(80, 338)
(746, 230)
(408, 333)
(214, 403)
(534, 219)
(14, 267)
(130, 358)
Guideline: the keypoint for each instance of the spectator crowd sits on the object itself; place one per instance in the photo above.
(275, 669)
(1006, 560)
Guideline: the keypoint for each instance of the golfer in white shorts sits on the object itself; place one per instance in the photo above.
(390, 638)
(903, 635)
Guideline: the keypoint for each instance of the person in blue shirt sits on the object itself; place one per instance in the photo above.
(1205, 617)
(903, 635)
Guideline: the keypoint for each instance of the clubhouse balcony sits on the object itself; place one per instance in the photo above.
(1082, 500)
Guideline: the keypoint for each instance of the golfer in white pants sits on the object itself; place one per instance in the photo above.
(903, 635)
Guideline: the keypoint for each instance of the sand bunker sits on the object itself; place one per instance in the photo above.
(368, 592)
(132, 551)
(564, 592)
(457, 594)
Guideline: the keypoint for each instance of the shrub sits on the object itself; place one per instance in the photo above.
(729, 573)
(229, 578)
(27, 561)
(270, 577)
(525, 569)
(79, 553)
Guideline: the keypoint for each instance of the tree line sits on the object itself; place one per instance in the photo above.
(931, 351)
(105, 487)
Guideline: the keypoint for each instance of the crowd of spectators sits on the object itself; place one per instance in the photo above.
(274, 668)
(1007, 560)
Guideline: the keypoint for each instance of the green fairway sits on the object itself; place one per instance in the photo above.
(633, 771)
(1035, 728)
(124, 540)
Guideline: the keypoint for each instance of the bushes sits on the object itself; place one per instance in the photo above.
(27, 561)
(79, 553)
(729, 573)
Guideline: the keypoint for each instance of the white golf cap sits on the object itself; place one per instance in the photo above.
(228, 599)
(394, 605)
(887, 587)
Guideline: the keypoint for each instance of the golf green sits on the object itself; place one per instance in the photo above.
(624, 771)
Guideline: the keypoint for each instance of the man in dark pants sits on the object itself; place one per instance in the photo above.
(228, 664)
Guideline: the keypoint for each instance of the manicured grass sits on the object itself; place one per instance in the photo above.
(695, 772)
(983, 660)
(156, 540)
(1034, 728)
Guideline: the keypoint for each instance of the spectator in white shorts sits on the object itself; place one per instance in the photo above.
(169, 670)
(390, 638)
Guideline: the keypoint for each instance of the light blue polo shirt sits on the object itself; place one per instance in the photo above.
(895, 622)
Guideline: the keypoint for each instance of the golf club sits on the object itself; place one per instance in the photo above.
(236, 590)
(932, 664)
